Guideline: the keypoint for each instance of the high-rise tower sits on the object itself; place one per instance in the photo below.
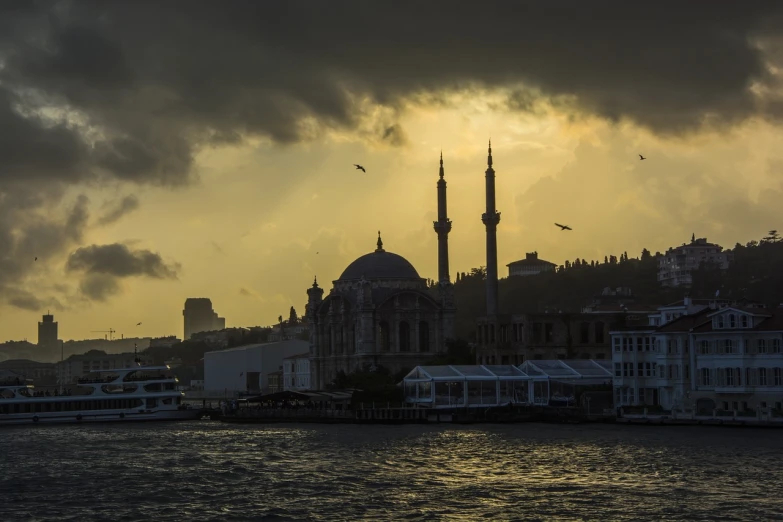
(442, 228)
(47, 332)
(491, 218)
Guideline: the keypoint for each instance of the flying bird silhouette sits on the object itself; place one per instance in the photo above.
(359, 167)
(36, 259)
(641, 157)
(138, 324)
(563, 227)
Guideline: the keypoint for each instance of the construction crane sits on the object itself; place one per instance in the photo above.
(110, 331)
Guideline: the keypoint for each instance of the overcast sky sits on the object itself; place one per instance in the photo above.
(154, 151)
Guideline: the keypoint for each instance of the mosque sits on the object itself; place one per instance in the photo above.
(380, 312)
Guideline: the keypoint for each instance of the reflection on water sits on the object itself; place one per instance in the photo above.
(210, 471)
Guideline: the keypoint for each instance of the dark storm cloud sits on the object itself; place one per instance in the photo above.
(120, 261)
(26, 234)
(126, 205)
(99, 287)
(160, 78)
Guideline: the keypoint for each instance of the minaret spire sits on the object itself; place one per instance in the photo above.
(491, 218)
(379, 243)
(442, 228)
(489, 154)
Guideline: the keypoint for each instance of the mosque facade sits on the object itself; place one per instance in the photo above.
(381, 313)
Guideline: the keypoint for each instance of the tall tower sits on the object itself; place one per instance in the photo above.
(47, 332)
(491, 218)
(442, 228)
(445, 288)
(314, 299)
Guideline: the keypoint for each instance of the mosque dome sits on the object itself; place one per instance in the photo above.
(380, 265)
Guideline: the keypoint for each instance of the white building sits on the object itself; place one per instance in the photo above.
(531, 265)
(716, 359)
(296, 372)
(246, 368)
(675, 267)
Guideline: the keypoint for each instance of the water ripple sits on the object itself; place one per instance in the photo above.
(212, 471)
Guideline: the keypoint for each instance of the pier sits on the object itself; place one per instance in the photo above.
(408, 415)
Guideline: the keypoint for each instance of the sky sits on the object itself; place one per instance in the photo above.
(155, 151)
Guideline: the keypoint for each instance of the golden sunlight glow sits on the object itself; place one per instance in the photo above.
(264, 219)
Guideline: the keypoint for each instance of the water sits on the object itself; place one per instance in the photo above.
(211, 471)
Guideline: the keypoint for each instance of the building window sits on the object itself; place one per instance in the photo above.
(761, 346)
(584, 332)
(719, 322)
(775, 345)
(647, 344)
(704, 376)
(778, 377)
(728, 346)
(404, 332)
(616, 341)
(599, 332)
(424, 336)
(548, 333)
(744, 321)
(538, 332)
(384, 336)
(762, 376)
(704, 347)
(732, 321)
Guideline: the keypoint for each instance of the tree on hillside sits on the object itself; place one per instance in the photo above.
(292, 317)
(772, 237)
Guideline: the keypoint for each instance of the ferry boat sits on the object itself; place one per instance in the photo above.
(141, 393)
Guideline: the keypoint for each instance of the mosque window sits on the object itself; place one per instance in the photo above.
(405, 336)
(384, 336)
(424, 336)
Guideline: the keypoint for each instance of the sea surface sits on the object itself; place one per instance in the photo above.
(204, 470)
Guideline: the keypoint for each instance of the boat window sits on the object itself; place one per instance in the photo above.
(149, 375)
(119, 388)
(98, 377)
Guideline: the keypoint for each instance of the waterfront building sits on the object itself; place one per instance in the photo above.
(717, 358)
(541, 382)
(246, 369)
(296, 372)
(380, 312)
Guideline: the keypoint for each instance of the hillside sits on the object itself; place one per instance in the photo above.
(755, 275)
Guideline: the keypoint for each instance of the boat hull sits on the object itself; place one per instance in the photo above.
(82, 417)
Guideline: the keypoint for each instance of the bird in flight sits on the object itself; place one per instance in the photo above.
(359, 167)
(138, 324)
(563, 227)
(36, 259)
(641, 157)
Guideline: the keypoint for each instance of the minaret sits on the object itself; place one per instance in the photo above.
(491, 218)
(442, 228)
(314, 299)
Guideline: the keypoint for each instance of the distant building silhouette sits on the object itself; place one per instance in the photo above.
(531, 265)
(675, 267)
(47, 332)
(200, 317)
